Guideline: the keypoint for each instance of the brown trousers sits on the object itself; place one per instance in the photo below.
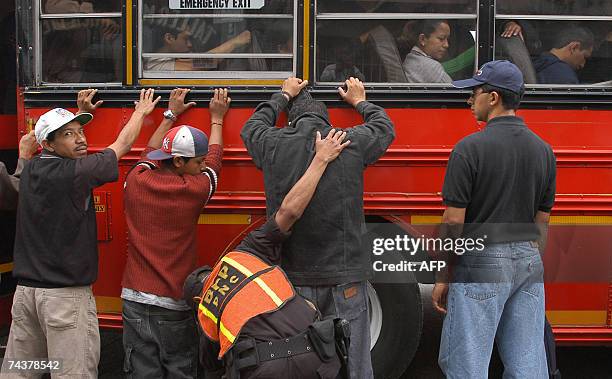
(54, 324)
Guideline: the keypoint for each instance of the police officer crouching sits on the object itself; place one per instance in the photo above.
(249, 312)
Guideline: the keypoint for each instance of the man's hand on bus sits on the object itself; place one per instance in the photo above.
(219, 104)
(439, 296)
(292, 86)
(143, 107)
(84, 101)
(177, 101)
(146, 104)
(28, 146)
(355, 92)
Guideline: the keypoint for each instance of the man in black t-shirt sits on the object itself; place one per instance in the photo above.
(291, 318)
(56, 255)
(500, 183)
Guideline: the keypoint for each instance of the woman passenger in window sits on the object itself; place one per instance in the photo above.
(422, 63)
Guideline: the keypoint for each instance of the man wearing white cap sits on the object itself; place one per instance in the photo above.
(56, 255)
(164, 196)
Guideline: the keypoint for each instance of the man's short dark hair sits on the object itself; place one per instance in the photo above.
(509, 99)
(167, 163)
(304, 103)
(160, 32)
(51, 136)
(574, 34)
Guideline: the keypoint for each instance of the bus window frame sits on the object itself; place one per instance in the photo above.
(397, 16)
(39, 16)
(547, 17)
(265, 77)
(248, 92)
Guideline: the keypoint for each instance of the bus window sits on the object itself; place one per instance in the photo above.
(555, 7)
(397, 6)
(80, 42)
(557, 43)
(395, 41)
(255, 40)
(78, 6)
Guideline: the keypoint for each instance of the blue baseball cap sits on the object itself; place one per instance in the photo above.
(503, 74)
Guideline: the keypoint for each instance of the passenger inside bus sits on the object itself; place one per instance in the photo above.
(597, 68)
(81, 49)
(422, 64)
(571, 49)
(277, 38)
(344, 68)
(175, 40)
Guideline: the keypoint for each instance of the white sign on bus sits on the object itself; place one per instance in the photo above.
(216, 4)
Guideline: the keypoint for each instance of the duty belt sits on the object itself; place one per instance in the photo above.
(248, 354)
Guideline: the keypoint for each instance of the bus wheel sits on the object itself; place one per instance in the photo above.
(396, 321)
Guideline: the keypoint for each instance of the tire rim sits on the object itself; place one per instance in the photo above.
(376, 315)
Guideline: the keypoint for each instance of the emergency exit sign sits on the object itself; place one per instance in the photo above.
(216, 4)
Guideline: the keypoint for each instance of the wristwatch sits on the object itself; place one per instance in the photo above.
(169, 115)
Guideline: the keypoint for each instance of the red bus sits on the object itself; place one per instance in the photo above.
(251, 46)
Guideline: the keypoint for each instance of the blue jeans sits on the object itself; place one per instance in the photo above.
(159, 342)
(348, 301)
(496, 295)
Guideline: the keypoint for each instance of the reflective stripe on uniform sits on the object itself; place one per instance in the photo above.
(259, 282)
(222, 327)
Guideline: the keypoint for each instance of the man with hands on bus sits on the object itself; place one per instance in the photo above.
(285, 334)
(164, 196)
(323, 257)
(56, 253)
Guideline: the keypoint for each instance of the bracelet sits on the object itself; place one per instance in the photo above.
(217, 123)
(289, 97)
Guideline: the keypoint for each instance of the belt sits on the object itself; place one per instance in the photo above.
(247, 353)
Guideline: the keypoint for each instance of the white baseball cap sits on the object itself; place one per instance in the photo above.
(55, 119)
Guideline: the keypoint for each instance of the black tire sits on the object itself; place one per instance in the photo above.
(402, 323)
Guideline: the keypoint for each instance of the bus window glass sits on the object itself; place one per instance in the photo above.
(555, 7)
(394, 47)
(80, 42)
(81, 50)
(234, 42)
(396, 6)
(550, 51)
(77, 6)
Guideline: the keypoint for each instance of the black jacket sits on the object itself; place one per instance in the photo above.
(325, 246)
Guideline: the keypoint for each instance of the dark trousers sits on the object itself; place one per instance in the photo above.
(350, 302)
(159, 342)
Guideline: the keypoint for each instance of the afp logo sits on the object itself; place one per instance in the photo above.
(166, 144)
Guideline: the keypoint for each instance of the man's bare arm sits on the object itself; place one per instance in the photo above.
(299, 196)
(131, 130)
(219, 104)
